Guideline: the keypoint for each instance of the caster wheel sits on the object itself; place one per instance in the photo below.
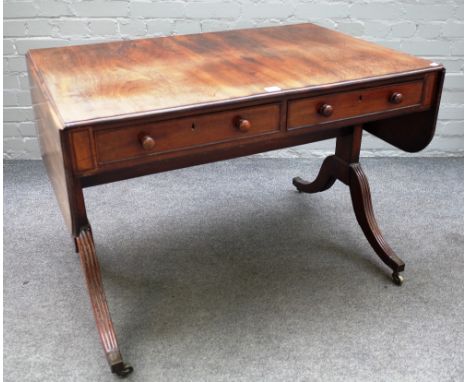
(397, 278)
(122, 370)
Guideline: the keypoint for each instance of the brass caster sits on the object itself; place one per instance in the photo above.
(397, 278)
(122, 369)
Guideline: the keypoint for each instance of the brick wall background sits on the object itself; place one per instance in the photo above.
(429, 28)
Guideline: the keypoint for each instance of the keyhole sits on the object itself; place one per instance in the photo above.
(360, 98)
(193, 126)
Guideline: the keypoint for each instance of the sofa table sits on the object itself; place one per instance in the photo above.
(119, 110)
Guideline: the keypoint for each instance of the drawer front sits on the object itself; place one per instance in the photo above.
(334, 107)
(184, 133)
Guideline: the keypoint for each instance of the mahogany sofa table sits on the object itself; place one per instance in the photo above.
(118, 110)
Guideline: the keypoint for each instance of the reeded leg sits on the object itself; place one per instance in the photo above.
(325, 178)
(344, 166)
(75, 239)
(90, 265)
(362, 204)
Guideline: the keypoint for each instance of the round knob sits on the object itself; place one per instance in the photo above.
(147, 142)
(243, 124)
(326, 110)
(396, 98)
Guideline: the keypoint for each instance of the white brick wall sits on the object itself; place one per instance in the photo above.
(428, 28)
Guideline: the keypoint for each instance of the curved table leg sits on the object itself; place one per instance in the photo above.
(362, 204)
(325, 178)
(344, 166)
(90, 265)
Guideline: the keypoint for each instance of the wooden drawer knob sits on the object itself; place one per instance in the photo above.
(396, 98)
(147, 142)
(326, 110)
(243, 124)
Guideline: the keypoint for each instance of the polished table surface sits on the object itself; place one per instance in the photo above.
(150, 76)
(118, 110)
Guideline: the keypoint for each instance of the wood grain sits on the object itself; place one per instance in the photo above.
(325, 179)
(90, 151)
(92, 272)
(124, 78)
(306, 112)
(413, 132)
(345, 166)
(57, 155)
(114, 111)
(184, 133)
(53, 151)
(84, 158)
(362, 204)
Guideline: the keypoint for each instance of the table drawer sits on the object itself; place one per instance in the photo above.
(337, 106)
(116, 144)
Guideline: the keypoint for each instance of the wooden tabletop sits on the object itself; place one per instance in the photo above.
(128, 78)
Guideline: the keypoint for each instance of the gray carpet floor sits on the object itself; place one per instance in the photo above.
(224, 272)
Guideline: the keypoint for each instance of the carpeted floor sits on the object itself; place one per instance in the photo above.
(224, 272)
